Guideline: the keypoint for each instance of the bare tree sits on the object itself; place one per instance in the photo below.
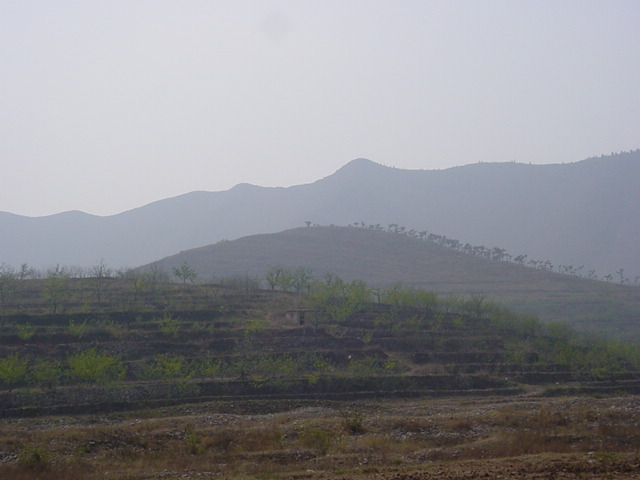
(8, 278)
(55, 287)
(100, 273)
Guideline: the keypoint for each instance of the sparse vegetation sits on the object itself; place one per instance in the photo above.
(523, 438)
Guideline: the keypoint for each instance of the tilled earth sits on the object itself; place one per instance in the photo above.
(526, 437)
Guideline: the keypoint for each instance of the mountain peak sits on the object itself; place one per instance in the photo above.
(243, 187)
(356, 170)
(359, 167)
(360, 163)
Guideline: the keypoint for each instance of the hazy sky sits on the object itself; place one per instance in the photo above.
(109, 105)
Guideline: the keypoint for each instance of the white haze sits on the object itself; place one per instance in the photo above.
(106, 106)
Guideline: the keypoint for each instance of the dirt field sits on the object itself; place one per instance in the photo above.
(526, 437)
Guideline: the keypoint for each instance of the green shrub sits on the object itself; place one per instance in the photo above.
(169, 325)
(313, 361)
(13, 369)
(25, 331)
(78, 329)
(95, 367)
(255, 326)
(207, 367)
(194, 441)
(165, 367)
(352, 423)
(370, 367)
(35, 458)
(337, 299)
(367, 337)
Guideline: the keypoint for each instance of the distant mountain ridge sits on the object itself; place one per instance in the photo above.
(582, 213)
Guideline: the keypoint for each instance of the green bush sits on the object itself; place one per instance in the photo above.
(92, 366)
(352, 423)
(35, 458)
(166, 367)
(337, 299)
(78, 329)
(371, 367)
(13, 370)
(313, 362)
(255, 327)
(25, 331)
(207, 367)
(169, 325)
(194, 441)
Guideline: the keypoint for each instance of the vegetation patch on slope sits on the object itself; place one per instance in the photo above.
(336, 339)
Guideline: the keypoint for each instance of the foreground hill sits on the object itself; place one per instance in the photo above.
(383, 259)
(580, 214)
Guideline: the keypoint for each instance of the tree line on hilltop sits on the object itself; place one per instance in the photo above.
(495, 253)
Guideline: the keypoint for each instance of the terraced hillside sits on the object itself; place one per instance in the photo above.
(165, 381)
(196, 343)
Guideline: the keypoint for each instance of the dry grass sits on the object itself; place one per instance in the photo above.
(394, 435)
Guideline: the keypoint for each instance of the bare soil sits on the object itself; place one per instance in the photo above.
(523, 437)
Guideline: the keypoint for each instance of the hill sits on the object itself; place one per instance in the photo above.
(580, 214)
(383, 259)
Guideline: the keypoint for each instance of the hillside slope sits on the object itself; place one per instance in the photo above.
(582, 213)
(383, 259)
